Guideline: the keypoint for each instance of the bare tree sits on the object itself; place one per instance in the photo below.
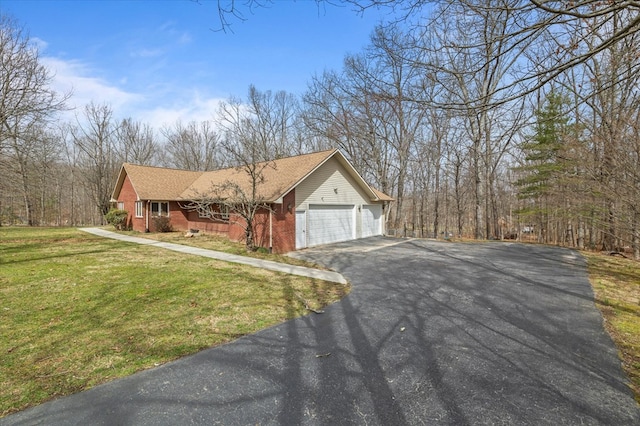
(26, 103)
(253, 134)
(472, 61)
(18, 168)
(76, 203)
(46, 160)
(192, 146)
(26, 97)
(273, 117)
(629, 163)
(28, 168)
(369, 111)
(94, 136)
(613, 74)
(136, 142)
(532, 20)
(535, 19)
(235, 201)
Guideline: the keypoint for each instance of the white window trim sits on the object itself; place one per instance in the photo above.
(160, 203)
(139, 208)
(224, 211)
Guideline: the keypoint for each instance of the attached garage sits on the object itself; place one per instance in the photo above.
(334, 204)
(327, 223)
(371, 220)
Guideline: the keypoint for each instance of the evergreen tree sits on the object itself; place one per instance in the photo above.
(542, 175)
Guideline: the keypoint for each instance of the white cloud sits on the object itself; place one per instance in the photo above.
(74, 76)
(40, 44)
(155, 107)
(192, 109)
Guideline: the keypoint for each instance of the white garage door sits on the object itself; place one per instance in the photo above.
(330, 224)
(371, 220)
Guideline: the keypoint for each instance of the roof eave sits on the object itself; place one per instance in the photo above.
(116, 190)
(280, 198)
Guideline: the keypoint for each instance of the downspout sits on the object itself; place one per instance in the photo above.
(270, 230)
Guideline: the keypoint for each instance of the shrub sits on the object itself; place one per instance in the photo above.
(162, 224)
(117, 218)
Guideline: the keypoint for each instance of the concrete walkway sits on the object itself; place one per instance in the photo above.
(244, 260)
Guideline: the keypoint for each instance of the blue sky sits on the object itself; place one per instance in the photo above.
(159, 61)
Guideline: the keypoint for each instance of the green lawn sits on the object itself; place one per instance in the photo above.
(616, 283)
(218, 243)
(77, 310)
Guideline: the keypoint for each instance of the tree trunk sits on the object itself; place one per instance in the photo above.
(581, 232)
(436, 216)
(476, 193)
(248, 233)
(635, 233)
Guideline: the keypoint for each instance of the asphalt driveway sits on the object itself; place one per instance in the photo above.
(432, 333)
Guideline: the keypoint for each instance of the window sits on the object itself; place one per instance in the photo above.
(120, 205)
(159, 208)
(224, 212)
(211, 212)
(138, 208)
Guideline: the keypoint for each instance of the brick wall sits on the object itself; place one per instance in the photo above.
(128, 196)
(282, 221)
(207, 225)
(284, 224)
(179, 219)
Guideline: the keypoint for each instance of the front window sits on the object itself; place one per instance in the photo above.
(210, 212)
(159, 208)
(204, 213)
(138, 208)
(224, 212)
(120, 205)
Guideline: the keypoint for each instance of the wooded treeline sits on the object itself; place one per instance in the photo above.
(484, 119)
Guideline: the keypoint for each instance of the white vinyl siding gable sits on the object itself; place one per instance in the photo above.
(330, 184)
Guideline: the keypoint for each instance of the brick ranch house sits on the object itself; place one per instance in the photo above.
(313, 199)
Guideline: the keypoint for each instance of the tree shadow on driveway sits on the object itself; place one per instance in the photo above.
(431, 334)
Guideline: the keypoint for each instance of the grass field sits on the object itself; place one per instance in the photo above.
(77, 310)
(213, 242)
(616, 284)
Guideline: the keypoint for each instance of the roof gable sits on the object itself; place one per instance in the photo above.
(155, 183)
